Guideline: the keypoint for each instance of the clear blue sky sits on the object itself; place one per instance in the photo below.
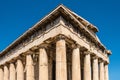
(16, 16)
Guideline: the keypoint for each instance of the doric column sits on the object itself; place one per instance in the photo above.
(61, 66)
(20, 70)
(106, 72)
(43, 64)
(76, 69)
(12, 72)
(1, 74)
(95, 69)
(6, 73)
(101, 70)
(87, 66)
(29, 68)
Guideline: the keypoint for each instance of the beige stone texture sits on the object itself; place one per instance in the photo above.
(6, 73)
(95, 69)
(1, 74)
(101, 70)
(106, 72)
(20, 70)
(29, 68)
(61, 29)
(43, 64)
(87, 67)
(61, 66)
(12, 72)
(76, 69)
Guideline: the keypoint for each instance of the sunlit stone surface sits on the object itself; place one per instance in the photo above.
(62, 46)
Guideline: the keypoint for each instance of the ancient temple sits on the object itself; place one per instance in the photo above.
(61, 46)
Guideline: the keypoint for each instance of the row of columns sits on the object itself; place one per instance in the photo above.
(99, 73)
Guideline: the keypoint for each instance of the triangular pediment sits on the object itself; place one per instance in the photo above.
(63, 11)
(68, 15)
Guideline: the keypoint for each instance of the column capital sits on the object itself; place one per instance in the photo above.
(83, 49)
(59, 37)
(106, 63)
(29, 52)
(43, 45)
(1, 66)
(87, 52)
(34, 48)
(21, 57)
(101, 60)
(95, 57)
(11, 63)
(75, 45)
(6, 64)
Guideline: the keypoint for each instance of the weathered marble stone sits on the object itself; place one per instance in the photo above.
(1, 74)
(43, 64)
(87, 67)
(29, 68)
(60, 30)
(61, 64)
(20, 70)
(76, 68)
(12, 72)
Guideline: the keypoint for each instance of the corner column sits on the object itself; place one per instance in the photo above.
(101, 70)
(61, 65)
(76, 69)
(6, 73)
(1, 74)
(12, 72)
(19, 70)
(29, 68)
(43, 64)
(87, 66)
(106, 72)
(95, 68)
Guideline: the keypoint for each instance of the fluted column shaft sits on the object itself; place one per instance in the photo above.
(1, 74)
(61, 66)
(101, 70)
(95, 69)
(6, 73)
(43, 64)
(76, 69)
(12, 72)
(19, 70)
(87, 67)
(29, 68)
(106, 72)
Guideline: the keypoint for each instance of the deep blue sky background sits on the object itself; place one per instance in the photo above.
(17, 16)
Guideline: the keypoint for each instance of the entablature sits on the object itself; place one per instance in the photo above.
(48, 37)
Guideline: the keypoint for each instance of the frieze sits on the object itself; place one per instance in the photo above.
(30, 39)
(41, 32)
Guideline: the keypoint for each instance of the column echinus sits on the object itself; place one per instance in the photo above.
(76, 69)
(6, 73)
(61, 66)
(12, 72)
(1, 74)
(29, 68)
(87, 66)
(43, 64)
(20, 70)
(95, 68)
(101, 70)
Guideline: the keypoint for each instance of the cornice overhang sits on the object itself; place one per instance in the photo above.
(83, 21)
(59, 11)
